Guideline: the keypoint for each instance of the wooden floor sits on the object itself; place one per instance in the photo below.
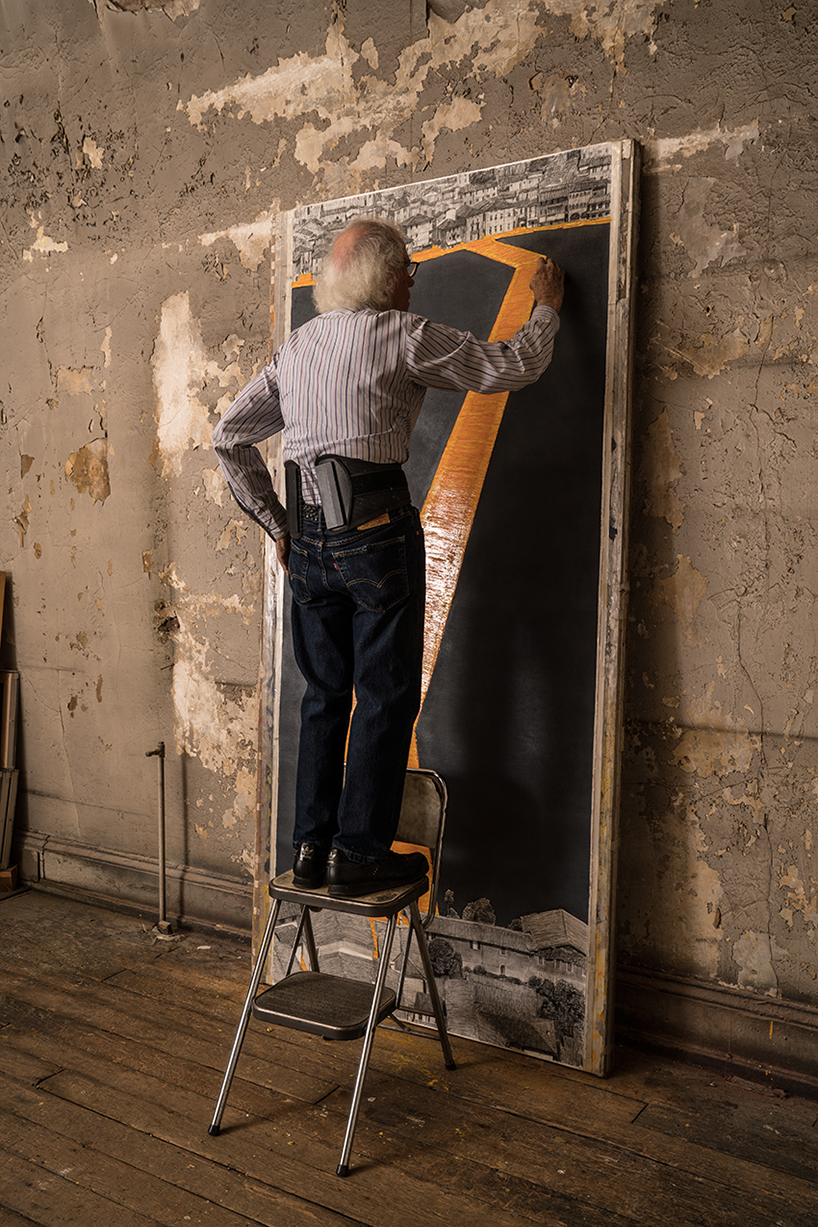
(112, 1049)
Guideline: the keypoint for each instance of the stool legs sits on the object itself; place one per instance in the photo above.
(383, 966)
(432, 983)
(304, 932)
(215, 1126)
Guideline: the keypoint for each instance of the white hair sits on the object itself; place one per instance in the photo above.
(362, 267)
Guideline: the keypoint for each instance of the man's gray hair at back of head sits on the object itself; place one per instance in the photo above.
(362, 267)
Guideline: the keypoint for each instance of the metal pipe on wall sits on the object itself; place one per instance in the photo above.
(162, 927)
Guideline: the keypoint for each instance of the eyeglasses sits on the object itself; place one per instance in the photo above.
(412, 267)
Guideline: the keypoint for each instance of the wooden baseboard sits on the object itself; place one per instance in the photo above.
(750, 1035)
(130, 882)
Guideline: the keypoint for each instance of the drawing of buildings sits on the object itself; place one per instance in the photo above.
(444, 213)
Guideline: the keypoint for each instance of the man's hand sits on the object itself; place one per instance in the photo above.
(547, 284)
(283, 552)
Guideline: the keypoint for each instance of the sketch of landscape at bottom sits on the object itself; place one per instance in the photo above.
(520, 987)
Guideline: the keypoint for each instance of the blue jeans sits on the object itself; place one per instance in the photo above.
(357, 625)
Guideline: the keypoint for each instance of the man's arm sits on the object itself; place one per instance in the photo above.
(254, 415)
(441, 357)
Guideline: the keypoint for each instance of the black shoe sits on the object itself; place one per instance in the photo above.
(346, 877)
(309, 867)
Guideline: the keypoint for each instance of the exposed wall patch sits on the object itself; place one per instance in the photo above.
(705, 244)
(798, 899)
(661, 153)
(251, 239)
(717, 744)
(216, 727)
(683, 592)
(215, 486)
(754, 955)
(43, 245)
(660, 470)
(709, 354)
(92, 153)
(181, 367)
(172, 8)
(368, 112)
(708, 751)
(81, 413)
(455, 115)
(88, 469)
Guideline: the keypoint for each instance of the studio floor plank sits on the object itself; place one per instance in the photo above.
(522, 1165)
(789, 1149)
(295, 1162)
(483, 1075)
(126, 1188)
(50, 1198)
(8, 1218)
(192, 1178)
(153, 1021)
(639, 1180)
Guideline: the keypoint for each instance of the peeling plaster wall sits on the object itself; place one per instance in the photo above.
(147, 148)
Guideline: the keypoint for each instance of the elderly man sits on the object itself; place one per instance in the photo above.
(346, 389)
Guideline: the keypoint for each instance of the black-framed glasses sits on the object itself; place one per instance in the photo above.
(412, 267)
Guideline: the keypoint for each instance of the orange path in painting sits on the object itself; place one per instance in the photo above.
(451, 503)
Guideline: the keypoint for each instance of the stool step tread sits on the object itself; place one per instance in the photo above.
(321, 1004)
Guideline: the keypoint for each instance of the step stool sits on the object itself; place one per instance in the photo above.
(335, 1007)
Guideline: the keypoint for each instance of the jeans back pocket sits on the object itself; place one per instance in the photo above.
(375, 574)
(298, 568)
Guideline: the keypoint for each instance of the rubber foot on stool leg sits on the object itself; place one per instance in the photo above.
(214, 1130)
(342, 1169)
(451, 1065)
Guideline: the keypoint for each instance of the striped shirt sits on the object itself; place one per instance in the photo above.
(352, 383)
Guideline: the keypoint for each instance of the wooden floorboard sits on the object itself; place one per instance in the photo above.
(112, 1050)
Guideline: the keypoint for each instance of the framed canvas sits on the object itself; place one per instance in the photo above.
(523, 499)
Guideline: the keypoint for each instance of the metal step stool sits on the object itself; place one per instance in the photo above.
(346, 1009)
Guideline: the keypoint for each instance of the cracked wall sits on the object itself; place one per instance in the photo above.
(720, 758)
(147, 149)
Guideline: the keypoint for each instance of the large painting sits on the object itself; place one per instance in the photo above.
(523, 500)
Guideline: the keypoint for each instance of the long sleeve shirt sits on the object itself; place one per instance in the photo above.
(352, 383)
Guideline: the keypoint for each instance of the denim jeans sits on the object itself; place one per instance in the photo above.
(357, 625)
